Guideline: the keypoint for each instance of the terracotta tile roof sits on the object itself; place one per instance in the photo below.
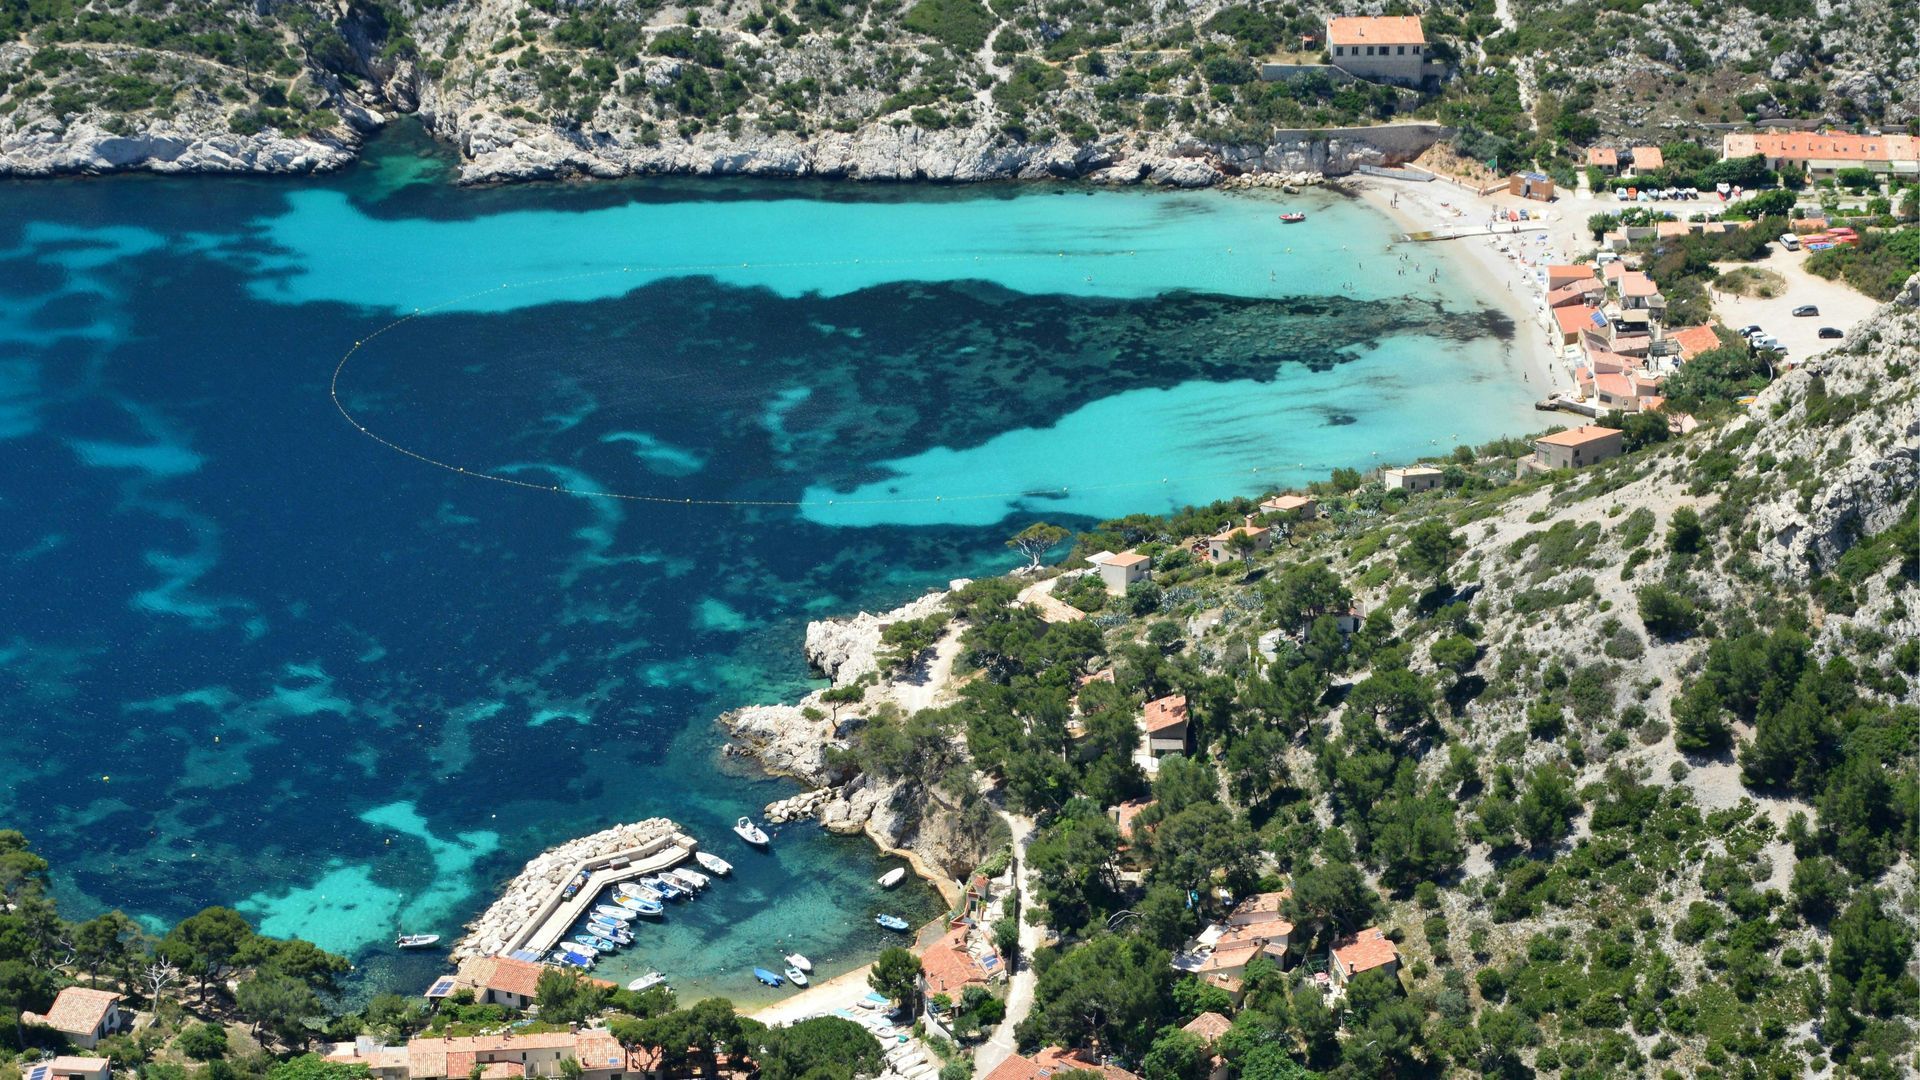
(1573, 318)
(1165, 712)
(427, 1057)
(1376, 30)
(1609, 363)
(1648, 157)
(1635, 283)
(499, 1070)
(949, 967)
(1209, 1026)
(1603, 155)
(1255, 531)
(1566, 272)
(1016, 1067)
(77, 1010)
(1670, 228)
(1826, 146)
(1574, 293)
(461, 1062)
(1365, 951)
(1280, 504)
(596, 1049)
(1613, 385)
(505, 974)
(1262, 904)
(1053, 1059)
(1127, 558)
(1125, 813)
(1580, 436)
(1694, 340)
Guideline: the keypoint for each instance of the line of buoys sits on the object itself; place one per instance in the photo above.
(339, 369)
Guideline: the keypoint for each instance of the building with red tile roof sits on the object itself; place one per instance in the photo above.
(83, 1015)
(1368, 950)
(1220, 545)
(946, 967)
(1572, 321)
(1567, 274)
(1304, 505)
(1125, 814)
(1392, 48)
(1694, 340)
(498, 1057)
(1823, 153)
(1604, 157)
(1051, 1061)
(1208, 1026)
(1577, 447)
(1647, 158)
(1119, 570)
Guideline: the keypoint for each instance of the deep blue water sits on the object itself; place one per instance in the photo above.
(251, 655)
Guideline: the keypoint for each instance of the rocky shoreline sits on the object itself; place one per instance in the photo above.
(902, 818)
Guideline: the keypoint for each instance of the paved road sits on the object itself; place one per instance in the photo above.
(1021, 986)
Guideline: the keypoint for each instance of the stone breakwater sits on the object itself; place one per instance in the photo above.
(532, 893)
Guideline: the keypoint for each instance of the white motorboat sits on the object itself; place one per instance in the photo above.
(798, 961)
(416, 941)
(692, 877)
(893, 877)
(614, 912)
(684, 880)
(648, 981)
(796, 976)
(713, 863)
(746, 830)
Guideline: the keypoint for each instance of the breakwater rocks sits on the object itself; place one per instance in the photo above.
(531, 891)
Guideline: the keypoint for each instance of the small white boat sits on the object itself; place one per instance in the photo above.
(647, 982)
(713, 863)
(684, 879)
(614, 912)
(746, 830)
(692, 877)
(416, 941)
(636, 890)
(796, 976)
(795, 960)
(893, 877)
(579, 949)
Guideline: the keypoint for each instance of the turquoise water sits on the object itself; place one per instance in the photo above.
(258, 657)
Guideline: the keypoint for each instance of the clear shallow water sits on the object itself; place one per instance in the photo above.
(254, 657)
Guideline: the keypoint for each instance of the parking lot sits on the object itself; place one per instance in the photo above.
(1839, 306)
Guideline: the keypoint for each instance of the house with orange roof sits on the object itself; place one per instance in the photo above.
(1567, 274)
(1117, 571)
(1304, 505)
(948, 966)
(1053, 1060)
(1647, 159)
(1385, 48)
(1125, 815)
(1604, 158)
(1579, 447)
(67, 1067)
(1163, 730)
(499, 1057)
(1368, 950)
(1224, 952)
(1694, 340)
(1572, 321)
(1208, 1027)
(84, 1015)
(1220, 545)
(1584, 291)
(1412, 478)
(1824, 153)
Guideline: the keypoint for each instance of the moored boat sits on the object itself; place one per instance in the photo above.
(891, 922)
(1293, 218)
(692, 877)
(667, 889)
(614, 912)
(893, 877)
(597, 944)
(798, 961)
(713, 863)
(578, 949)
(641, 890)
(647, 982)
(768, 977)
(416, 941)
(753, 834)
(651, 909)
(796, 976)
(572, 959)
(680, 880)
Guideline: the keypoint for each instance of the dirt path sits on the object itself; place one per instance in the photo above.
(1020, 988)
(1040, 595)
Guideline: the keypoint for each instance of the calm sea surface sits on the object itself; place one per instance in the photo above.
(250, 654)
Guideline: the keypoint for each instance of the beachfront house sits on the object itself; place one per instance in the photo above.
(1647, 159)
(66, 1067)
(1413, 478)
(1054, 1060)
(1587, 291)
(1163, 730)
(1220, 546)
(1384, 48)
(500, 1057)
(1626, 391)
(83, 1015)
(1302, 505)
(1568, 273)
(1604, 158)
(1531, 185)
(954, 962)
(1824, 153)
(1121, 570)
(1571, 321)
(1576, 448)
(500, 980)
(1368, 950)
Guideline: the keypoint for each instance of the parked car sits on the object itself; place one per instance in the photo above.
(1765, 343)
(1831, 332)
(1805, 310)
(1749, 330)
(1789, 241)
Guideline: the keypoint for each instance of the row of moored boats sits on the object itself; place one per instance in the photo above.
(609, 925)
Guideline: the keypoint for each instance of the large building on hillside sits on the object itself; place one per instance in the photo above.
(1387, 48)
(1824, 153)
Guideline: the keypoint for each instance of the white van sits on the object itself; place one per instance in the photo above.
(1789, 241)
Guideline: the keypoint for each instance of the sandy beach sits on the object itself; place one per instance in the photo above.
(1506, 278)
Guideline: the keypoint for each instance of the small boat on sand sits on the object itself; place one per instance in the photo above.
(713, 863)
(795, 960)
(768, 977)
(647, 982)
(416, 941)
(753, 834)
(893, 877)
(796, 976)
(891, 922)
(1293, 218)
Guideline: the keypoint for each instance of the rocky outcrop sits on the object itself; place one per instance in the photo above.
(845, 649)
(49, 148)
